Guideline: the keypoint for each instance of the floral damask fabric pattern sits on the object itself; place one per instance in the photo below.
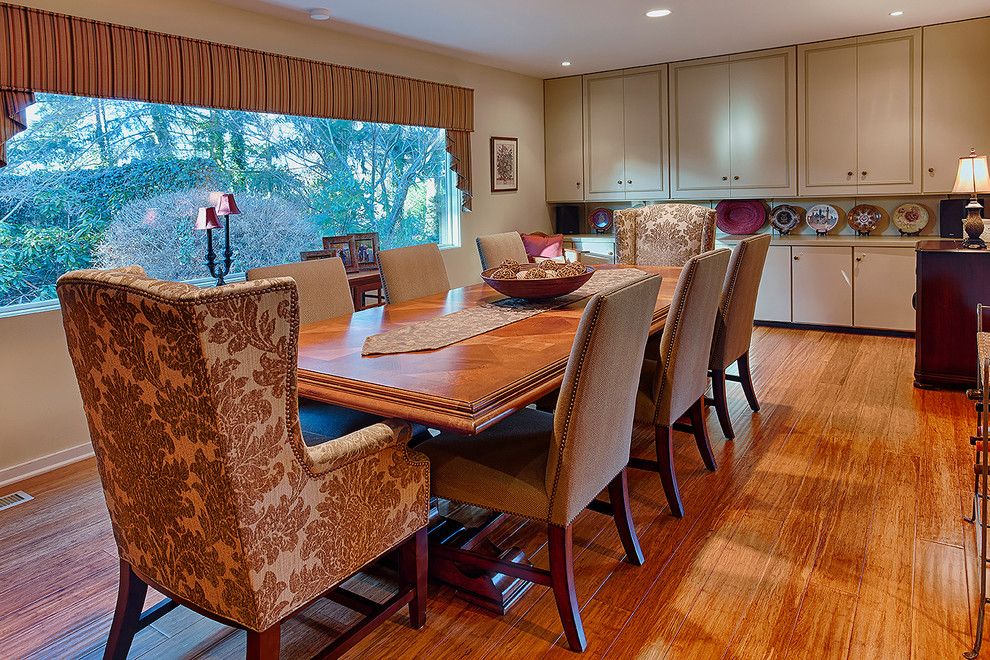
(663, 234)
(190, 395)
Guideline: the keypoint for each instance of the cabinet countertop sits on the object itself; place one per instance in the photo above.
(811, 240)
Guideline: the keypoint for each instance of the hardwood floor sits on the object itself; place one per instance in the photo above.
(833, 528)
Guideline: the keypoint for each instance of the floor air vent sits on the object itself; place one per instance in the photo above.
(13, 499)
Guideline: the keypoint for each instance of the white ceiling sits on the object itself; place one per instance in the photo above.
(534, 36)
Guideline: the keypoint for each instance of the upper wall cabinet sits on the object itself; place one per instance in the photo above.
(733, 126)
(859, 108)
(564, 135)
(625, 134)
(957, 100)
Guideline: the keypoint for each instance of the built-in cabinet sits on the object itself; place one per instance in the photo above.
(733, 126)
(859, 115)
(563, 103)
(884, 280)
(773, 303)
(822, 285)
(956, 106)
(625, 134)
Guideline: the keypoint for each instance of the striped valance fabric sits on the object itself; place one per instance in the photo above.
(42, 51)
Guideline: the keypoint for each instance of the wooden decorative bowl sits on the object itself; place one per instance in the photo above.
(537, 289)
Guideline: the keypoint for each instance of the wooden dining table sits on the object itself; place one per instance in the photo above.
(465, 388)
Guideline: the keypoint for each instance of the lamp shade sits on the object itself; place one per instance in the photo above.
(207, 218)
(973, 176)
(226, 205)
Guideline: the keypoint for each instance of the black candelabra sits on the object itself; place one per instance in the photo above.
(208, 219)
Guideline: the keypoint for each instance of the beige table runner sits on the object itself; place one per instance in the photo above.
(452, 328)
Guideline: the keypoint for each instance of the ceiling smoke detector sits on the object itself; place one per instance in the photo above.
(319, 14)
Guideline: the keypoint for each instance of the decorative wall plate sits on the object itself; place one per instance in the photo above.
(740, 216)
(911, 218)
(785, 217)
(865, 218)
(822, 218)
(601, 219)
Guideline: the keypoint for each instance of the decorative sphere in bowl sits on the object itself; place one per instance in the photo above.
(538, 285)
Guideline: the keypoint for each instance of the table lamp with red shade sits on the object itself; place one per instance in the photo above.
(973, 178)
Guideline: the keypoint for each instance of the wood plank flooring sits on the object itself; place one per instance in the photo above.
(832, 529)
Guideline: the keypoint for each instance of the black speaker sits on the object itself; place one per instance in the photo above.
(567, 219)
(951, 213)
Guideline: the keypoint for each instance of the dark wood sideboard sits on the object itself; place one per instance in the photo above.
(951, 281)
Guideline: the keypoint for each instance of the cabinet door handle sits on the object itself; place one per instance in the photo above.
(578, 184)
(797, 258)
(725, 178)
(629, 181)
(865, 172)
(735, 178)
(849, 173)
(859, 258)
(619, 182)
(931, 170)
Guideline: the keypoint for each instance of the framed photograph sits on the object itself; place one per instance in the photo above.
(366, 250)
(505, 164)
(344, 246)
(317, 254)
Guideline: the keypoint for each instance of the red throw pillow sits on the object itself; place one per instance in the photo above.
(538, 245)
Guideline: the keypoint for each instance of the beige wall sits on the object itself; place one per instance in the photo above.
(39, 403)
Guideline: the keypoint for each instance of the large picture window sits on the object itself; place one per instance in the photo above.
(105, 183)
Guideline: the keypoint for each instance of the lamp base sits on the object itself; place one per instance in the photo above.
(973, 226)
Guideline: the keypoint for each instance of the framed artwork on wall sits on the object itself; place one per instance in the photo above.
(505, 164)
(344, 245)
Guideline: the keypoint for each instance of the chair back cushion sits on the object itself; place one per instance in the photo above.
(412, 272)
(681, 376)
(190, 395)
(663, 234)
(324, 292)
(594, 415)
(734, 321)
(496, 248)
(540, 245)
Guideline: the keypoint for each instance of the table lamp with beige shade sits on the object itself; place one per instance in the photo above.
(973, 178)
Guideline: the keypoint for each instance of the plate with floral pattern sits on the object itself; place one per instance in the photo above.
(911, 218)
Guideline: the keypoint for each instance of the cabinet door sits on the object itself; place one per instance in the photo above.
(762, 130)
(645, 134)
(884, 283)
(562, 107)
(889, 113)
(774, 300)
(954, 121)
(827, 117)
(699, 128)
(822, 283)
(603, 137)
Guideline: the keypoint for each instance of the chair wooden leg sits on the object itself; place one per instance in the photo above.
(264, 645)
(618, 495)
(130, 601)
(561, 548)
(746, 379)
(700, 431)
(665, 465)
(721, 403)
(413, 563)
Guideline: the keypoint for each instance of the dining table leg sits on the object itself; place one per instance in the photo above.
(493, 591)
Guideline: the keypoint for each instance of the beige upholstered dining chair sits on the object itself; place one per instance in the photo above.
(324, 292)
(412, 272)
(663, 234)
(496, 248)
(215, 501)
(549, 467)
(675, 377)
(734, 325)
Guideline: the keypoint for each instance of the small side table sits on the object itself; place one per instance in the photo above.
(366, 284)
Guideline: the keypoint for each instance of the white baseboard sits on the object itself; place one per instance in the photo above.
(34, 467)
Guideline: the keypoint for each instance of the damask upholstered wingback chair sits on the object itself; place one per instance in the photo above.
(734, 325)
(550, 467)
(190, 396)
(412, 272)
(663, 234)
(496, 248)
(675, 377)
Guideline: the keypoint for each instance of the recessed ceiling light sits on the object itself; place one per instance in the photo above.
(319, 14)
(657, 13)
(897, 12)
(565, 63)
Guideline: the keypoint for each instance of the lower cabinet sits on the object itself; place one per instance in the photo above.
(822, 283)
(884, 287)
(592, 249)
(774, 300)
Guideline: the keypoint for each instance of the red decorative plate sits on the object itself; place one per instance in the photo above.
(740, 216)
(601, 219)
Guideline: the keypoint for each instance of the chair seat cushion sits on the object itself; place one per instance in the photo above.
(503, 468)
(645, 407)
(322, 422)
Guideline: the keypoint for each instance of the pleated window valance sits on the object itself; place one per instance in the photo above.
(42, 51)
